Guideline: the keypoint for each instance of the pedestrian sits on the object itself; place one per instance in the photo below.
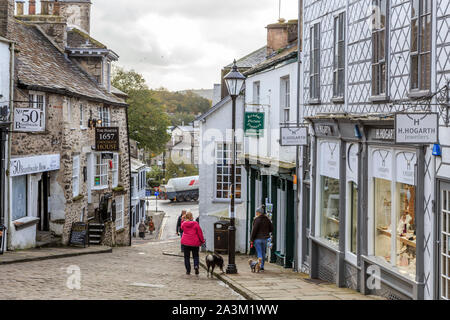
(151, 225)
(179, 222)
(261, 230)
(142, 230)
(192, 239)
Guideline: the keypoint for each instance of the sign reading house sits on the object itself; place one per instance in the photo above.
(294, 136)
(36, 164)
(106, 139)
(417, 128)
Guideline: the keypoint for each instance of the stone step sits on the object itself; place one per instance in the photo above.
(95, 236)
(94, 241)
(96, 230)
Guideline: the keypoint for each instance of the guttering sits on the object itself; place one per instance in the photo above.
(65, 92)
(129, 176)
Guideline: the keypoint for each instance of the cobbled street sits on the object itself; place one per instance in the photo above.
(139, 272)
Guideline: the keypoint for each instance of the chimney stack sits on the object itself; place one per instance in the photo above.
(280, 35)
(32, 7)
(6, 16)
(20, 4)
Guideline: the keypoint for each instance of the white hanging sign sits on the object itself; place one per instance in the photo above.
(417, 128)
(35, 164)
(382, 164)
(406, 162)
(28, 120)
(329, 154)
(294, 136)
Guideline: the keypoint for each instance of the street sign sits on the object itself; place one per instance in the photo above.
(254, 124)
(294, 136)
(106, 139)
(156, 193)
(417, 128)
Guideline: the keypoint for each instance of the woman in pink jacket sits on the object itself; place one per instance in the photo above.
(192, 239)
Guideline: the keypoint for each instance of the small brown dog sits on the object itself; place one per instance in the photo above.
(255, 266)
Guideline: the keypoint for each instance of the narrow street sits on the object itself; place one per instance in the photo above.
(139, 272)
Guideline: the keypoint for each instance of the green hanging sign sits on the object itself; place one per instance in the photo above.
(254, 124)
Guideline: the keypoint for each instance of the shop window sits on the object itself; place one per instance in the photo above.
(339, 56)
(223, 171)
(115, 170)
(379, 40)
(394, 209)
(76, 176)
(329, 228)
(100, 172)
(421, 24)
(19, 197)
(119, 212)
(314, 66)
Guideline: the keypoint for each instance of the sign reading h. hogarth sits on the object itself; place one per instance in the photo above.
(106, 139)
(294, 136)
(254, 124)
(417, 128)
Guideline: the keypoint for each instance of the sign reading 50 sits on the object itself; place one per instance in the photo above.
(28, 119)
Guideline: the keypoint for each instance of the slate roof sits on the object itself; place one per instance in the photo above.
(286, 54)
(79, 39)
(252, 59)
(42, 67)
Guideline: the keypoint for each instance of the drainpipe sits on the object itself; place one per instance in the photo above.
(129, 174)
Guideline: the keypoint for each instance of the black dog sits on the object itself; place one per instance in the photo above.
(213, 260)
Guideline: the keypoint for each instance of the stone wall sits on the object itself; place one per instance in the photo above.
(6, 14)
(93, 66)
(78, 15)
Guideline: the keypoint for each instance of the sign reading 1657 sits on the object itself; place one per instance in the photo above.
(28, 119)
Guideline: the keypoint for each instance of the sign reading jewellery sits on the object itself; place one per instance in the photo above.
(106, 139)
(254, 124)
(294, 136)
(417, 128)
(36, 164)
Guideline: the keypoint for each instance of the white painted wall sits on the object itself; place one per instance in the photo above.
(214, 129)
(270, 86)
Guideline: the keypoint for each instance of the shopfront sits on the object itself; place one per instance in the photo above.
(367, 216)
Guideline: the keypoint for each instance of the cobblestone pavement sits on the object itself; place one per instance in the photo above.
(139, 272)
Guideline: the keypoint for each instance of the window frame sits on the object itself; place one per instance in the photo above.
(115, 170)
(26, 193)
(103, 176)
(339, 54)
(228, 175)
(34, 103)
(285, 99)
(106, 120)
(120, 214)
(377, 81)
(420, 52)
(257, 92)
(315, 63)
(76, 164)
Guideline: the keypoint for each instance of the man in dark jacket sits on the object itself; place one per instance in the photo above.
(261, 230)
(179, 222)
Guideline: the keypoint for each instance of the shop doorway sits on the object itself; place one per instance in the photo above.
(42, 203)
(444, 247)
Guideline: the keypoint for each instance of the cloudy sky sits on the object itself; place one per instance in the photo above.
(183, 44)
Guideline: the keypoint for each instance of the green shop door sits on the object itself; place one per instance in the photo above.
(253, 175)
(274, 197)
(290, 223)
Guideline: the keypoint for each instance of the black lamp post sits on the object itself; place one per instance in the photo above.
(235, 81)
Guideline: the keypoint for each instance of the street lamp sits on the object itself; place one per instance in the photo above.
(235, 81)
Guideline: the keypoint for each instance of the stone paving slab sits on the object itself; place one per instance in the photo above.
(21, 256)
(278, 283)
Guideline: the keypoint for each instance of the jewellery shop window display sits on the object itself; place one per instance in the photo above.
(393, 208)
(328, 191)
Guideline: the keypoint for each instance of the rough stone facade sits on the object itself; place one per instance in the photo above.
(77, 13)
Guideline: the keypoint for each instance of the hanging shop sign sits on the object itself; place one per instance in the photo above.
(28, 120)
(254, 124)
(106, 139)
(36, 164)
(294, 136)
(417, 128)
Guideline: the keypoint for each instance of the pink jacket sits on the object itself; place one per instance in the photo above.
(192, 234)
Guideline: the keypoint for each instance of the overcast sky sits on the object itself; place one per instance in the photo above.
(183, 44)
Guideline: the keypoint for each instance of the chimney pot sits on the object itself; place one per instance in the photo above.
(20, 7)
(32, 7)
(45, 7)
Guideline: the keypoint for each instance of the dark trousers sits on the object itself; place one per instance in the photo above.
(182, 247)
(187, 257)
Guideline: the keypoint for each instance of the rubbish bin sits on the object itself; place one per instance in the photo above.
(221, 236)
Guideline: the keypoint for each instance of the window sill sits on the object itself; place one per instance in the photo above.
(83, 128)
(379, 99)
(327, 244)
(26, 222)
(415, 94)
(240, 201)
(389, 268)
(99, 188)
(314, 101)
(338, 100)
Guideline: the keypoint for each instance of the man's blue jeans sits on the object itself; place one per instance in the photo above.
(261, 247)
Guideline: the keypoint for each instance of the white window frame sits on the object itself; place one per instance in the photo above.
(37, 100)
(120, 212)
(82, 118)
(76, 176)
(115, 170)
(351, 177)
(285, 99)
(104, 114)
(238, 152)
(371, 208)
(257, 92)
(103, 175)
